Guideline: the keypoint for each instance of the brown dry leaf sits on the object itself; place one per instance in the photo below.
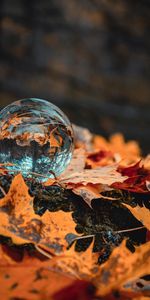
(122, 267)
(77, 163)
(140, 213)
(19, 222)
(102, 175)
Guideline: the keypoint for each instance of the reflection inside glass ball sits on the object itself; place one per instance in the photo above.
(36, 138)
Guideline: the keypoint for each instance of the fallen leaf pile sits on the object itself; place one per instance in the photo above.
(54, 236)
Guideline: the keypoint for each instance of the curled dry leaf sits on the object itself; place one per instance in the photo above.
(19, 221)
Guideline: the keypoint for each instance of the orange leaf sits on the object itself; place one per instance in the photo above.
(77, 264)
(90, 192)
(140, 213)
(128, 151)
(19, 222)
(31, 282)
(122, 267)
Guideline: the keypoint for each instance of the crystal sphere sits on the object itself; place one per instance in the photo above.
(36, 139)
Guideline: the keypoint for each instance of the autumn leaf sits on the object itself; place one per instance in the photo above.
(140, 213)
(91, 191)
(122, 267)
(102, 175)
(31, 282)
(55, 270)
(138, 176)
(79, 290)
(22, 225)
(129, 152)
(77, 163)
(78, 264)
(101, 158)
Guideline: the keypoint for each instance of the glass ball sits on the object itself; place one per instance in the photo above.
(36, 139)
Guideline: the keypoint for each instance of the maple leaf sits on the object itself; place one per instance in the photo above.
(101, 158)
(102, 175)
(140, 213)
(91, 191)
(78, 264)
(88, 192)
(33, 278)
(87, 183)
(129, 152)
(137, 179)
(22, 225)
(122, 267)
(29, 278)
(77, 163)
(31, 282)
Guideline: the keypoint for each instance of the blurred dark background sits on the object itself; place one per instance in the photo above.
(89, 57)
